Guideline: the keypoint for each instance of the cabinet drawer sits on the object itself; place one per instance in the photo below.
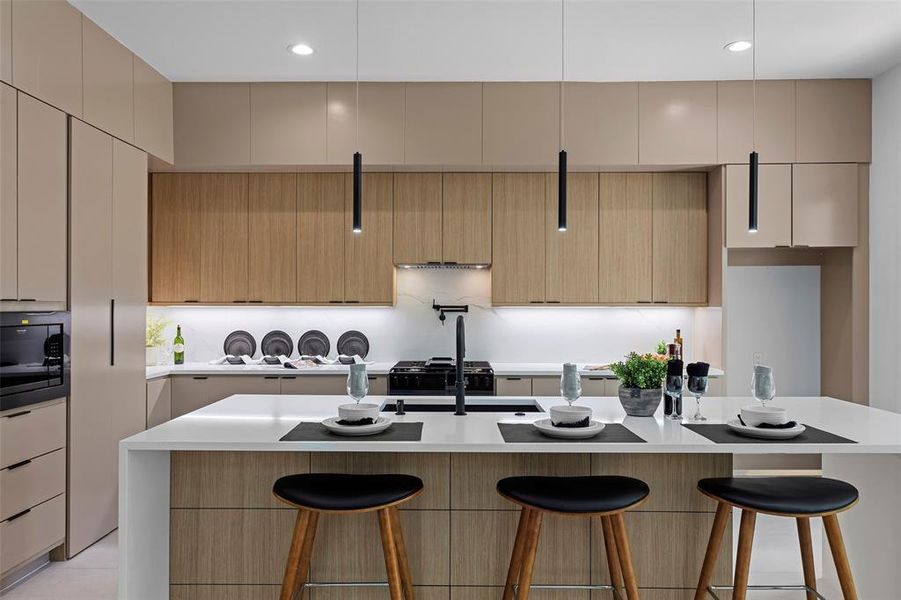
(25, 537)
(32, 482)
(595, 386)
(378, 385)
(546, 386)
(28, 433)
(317, 385)
(513, 386)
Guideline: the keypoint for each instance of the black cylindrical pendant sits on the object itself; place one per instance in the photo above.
(752, 193)
(561, 192)
(358, 193)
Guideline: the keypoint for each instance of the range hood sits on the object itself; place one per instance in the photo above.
(438, 265)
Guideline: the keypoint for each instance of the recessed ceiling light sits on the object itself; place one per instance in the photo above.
(738, 46)
(300, 49)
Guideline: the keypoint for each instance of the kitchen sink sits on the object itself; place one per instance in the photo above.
(483, 404)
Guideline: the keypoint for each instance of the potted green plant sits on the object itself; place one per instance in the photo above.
(641, 382)
(156, 326)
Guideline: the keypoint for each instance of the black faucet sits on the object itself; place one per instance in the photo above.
(461, 379)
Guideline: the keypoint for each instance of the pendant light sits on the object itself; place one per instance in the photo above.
(752, 159)
(561, 161)
(358, 157)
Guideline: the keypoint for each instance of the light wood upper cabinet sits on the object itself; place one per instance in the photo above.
(273, 237)
(42, 201)
(520, 124)
(825, 205)
(443, 124)
(518, 238)
(601, 123)
(153, 111)
(571, 257)
(680, 238)
(834, 120)
(381, 123)
(212, 124)
(625, 237)
(47, 52)
(287, 123)
(417, 218)
(9, 222)
(320, 237)
(466, 222)
(774, 207)
(678, 123)
(6, 41)
(223, 237)
(369, 269)
(175, 247)
(107, 82)
(775, 122)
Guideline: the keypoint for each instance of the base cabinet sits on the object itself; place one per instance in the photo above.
(190, 392)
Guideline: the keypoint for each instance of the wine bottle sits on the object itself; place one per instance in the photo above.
(681, 345)
(178, 347)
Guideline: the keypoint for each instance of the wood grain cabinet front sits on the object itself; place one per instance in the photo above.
(320, 237)
(369, 269)
(466, 218)
(518, 238)
(272, 243)
(625, 237)
(571, 256)
(175, 243)
(417, 218)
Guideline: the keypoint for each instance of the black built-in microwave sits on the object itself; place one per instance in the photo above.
(34, 357)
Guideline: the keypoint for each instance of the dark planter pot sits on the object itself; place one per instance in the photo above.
(638, 402)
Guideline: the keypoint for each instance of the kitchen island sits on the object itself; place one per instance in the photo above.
(197, 515)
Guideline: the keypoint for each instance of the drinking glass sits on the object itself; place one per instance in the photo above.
(570, 383)
(763, 385)
(357, 382)
(698, 387)
(674, 391)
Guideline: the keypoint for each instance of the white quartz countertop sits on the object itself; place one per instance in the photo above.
(256, 422)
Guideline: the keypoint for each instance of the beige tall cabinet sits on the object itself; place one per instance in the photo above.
(108, 208)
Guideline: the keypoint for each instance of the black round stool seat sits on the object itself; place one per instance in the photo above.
(338, 492)
(782, 495)
(595, 494)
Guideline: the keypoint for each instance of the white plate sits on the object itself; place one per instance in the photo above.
(381, 424)
(765, 434)
(571, 433)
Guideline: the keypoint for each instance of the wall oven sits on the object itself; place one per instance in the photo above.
(34, 357)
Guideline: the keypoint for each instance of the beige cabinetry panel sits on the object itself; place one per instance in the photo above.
(824, 205)
(443, 124)
(6, 41)
(273, 237)
(42, 203)
(26, 433)
(571, 256)
(466, 218)
(381, 127)
(153, 111)
(546, 386)
(175, 247)
(47, 52)
(369, 269)
(107, 82)
(316, 385)
(192, 392)
(159, 401)
(513, 385)
(834, 120)
(36, 532)
(601, 123)
(520, 124)
(775, 121)
(37, 480)
(417, 218)
(212, 124)
(678, 123)
(320, 237)
(625, 238)
(287, 123)
(680, 238)
(9, 197)
(223, 237)
(774, 207)
(518, 238)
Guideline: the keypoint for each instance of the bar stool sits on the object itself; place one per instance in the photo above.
(797, 497)
(315, 493)
(606, 497)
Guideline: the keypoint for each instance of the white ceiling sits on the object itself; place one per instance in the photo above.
(503, 40)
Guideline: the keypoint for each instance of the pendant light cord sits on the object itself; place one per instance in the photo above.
(754, 74)
(562, 66)
(357, 85)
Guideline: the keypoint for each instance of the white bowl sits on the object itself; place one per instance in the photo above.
(352, 413)
(569, 415)
(755, 415)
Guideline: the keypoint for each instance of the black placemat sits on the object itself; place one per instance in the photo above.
(525, 433)
(721, 434)
(317, 432)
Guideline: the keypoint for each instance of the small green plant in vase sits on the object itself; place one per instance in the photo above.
(641, 382)
(156, 327)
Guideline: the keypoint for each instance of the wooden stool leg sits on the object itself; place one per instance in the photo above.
(516, 558)
(810, 576)
(625, 555)
(406, 579)
(743, 557)
(616, 574)
(720, 521)
(530, 549)
(840, 557)
(298, 563)
(389, 547)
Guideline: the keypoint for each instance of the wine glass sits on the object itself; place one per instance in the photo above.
(697, 385)
(763, 385)
(570, 383)
(674, 391)
(357, 382)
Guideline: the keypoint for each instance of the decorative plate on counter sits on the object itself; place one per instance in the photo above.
(314, 343)
(381, 424)
(572, 433)
(764, 433)
(240, 342)
(353, 342)
(276, 343)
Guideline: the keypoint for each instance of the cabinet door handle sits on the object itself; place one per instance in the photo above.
(7, 299)
(352, 301)
(190, 301)
(270, 377)
(643, 301)
(27, 300)
(553, 302)
(199, 378)
(19, 414)
(596, 378)
(240, 301)
(18, 515)
(513, 378)
(255, 301)
(112, 332)
(289, 377)
(536, 301)
(372, 377)
(335, 301)
(661, 301)
(18, 465)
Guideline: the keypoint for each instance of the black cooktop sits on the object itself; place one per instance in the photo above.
(440, 364)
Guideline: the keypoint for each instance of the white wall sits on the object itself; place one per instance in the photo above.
(411, 330)
(885, 253)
